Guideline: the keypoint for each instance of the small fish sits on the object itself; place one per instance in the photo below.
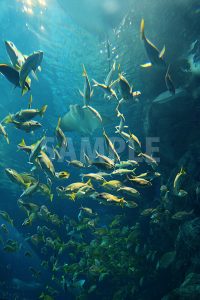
(178, 181)
(32, 62)
(87, 211)
(46, 164)
(126, 90)
(30, 190)
(149, 160)
(28, 114)
(121, 125)
(127, 163)
(95, 113)
(129, 191)
(4, 133)
(110, 198)
(109, 77)
(88, 92)
(76, 163)
(108, 90)
(102, 165)
(94, 176)
(181, 215)
(110, 146)
(46, 191)
(57, 155)
(148, 211)
(11, 246)
(140, 181)
(134, 143)
(123, 172)
(28, 126)
(36, 149)
(112, 184)
(105, 159)
(60, 136)
(131, 204)
(6, 217)
(28, 207)
(154, 55)
(15, 177)
(169, 83)
(29, 221)
(22, 146)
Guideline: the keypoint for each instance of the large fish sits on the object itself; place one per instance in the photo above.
(80, 119)
(87, 92)
(12, 75)
(154, 55)
(16, 57)
(32, 62)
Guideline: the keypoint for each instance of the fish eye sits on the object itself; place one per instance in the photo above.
(60, 188)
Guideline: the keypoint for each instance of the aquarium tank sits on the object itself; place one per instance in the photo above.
(100, 150)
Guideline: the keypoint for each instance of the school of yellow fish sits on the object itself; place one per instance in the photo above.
(106, 181)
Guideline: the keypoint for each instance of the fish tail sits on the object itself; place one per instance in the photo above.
(95, 82)
(142, 30)
(22, 144)
(8, 119)
(72, 196)
(183, 171)
(7, 139)
(84, 74)
(89, 182)
(81, 93)
(43, 110)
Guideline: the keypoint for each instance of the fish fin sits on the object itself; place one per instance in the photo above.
(51, 197)
(72, 196)
(162, 53)
(114, 82)
(24, 90)
(142, 34)
(92, 93)
(147, 65)
(82, 94)
(43, 110)
(39, 68)
(7, 139)
(34, 75)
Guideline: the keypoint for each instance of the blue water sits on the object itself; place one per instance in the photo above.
(70, 34)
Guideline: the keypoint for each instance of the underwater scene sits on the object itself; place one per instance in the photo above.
(100, 150)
